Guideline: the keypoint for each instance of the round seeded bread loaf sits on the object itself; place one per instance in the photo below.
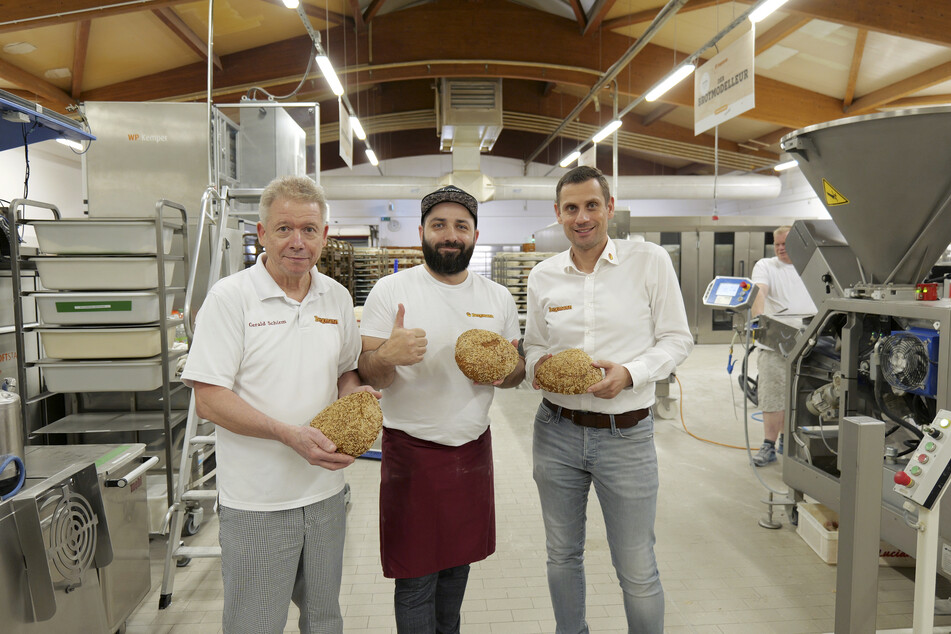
(352, 422)
(568, 372)
(485, 356)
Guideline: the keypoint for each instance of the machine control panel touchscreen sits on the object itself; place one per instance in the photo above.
(732, 293)
(927, 471)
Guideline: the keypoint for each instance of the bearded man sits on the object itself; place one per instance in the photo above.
(437, 497)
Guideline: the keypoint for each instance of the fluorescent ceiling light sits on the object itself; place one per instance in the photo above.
(372, 156)
(571, 158)
(291, 4)
(328, 70)
(669, 82)
(764, 9)
(606, 130)
(357, 128)
(76, 145)
(785, 166)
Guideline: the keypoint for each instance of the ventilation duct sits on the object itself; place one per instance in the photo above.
(469, 113)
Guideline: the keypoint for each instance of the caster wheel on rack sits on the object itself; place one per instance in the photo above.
(181, 562)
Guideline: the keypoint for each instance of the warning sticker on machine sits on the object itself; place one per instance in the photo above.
(833, 197)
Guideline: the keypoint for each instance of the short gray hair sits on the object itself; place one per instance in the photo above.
(295, 188)
(779, 230)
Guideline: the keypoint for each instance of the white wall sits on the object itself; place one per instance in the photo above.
(514, 222)
(55, 176)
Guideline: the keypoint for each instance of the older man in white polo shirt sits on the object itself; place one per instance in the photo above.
(275, 344)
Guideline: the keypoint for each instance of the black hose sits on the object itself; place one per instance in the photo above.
(895, 418)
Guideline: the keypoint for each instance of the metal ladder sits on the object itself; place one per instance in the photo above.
(187, 501)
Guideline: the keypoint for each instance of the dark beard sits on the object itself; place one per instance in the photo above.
(447, 264)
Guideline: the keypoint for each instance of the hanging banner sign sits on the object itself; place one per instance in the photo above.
(346, 135)
(723, 87)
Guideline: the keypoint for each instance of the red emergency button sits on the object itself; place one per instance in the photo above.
(922, 458)
(744, 285)
(903, 479)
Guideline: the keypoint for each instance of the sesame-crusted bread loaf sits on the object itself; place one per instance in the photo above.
(568, 372)
(352, 422)
(485, 356)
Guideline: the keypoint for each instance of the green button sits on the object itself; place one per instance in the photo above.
(929, 446)
(915, 471)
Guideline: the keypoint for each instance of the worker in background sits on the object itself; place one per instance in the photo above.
(781, 291)
(274, 345)
(620, 302)
(437, 496)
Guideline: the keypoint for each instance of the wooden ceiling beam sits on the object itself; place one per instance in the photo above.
(648, 15)
(404, 49)
(18, 15)
(903, 88)
(658, 113)
(781, 31)
(80, 47)
(772, 138)
(324, 15)
(578, 10)
(357, 14)
(854, 68)
(598, 11)
(183, 32)
(31, 83)
(928, 21)
(924, 100)
(372, 10)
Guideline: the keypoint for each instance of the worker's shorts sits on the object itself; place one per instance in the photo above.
(771, 385)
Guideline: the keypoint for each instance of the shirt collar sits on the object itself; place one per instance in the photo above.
(609, 256)
(267, 288)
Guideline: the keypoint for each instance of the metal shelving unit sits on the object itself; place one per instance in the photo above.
(511, 271)
(80, 423)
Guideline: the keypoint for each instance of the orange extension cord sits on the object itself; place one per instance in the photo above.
(690, 433)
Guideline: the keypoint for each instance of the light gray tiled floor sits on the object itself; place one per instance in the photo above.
(722, 572)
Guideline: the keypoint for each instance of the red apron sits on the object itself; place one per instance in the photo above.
(437, 504)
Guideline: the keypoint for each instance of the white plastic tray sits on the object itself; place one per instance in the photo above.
(91, 308)
(100, 274)
(104, 376)
(105, 343)
(93, 237)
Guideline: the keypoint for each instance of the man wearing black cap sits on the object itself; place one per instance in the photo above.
(437, 506)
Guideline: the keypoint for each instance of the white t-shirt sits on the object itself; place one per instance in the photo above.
(433, 400)
(282, 357)
(787, 292)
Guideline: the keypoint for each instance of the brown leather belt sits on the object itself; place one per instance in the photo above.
(599, 421)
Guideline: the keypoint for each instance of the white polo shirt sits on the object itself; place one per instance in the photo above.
(433, 400)
(282, 357)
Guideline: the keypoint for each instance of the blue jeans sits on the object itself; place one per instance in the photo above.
(431, 604)
(622, 464)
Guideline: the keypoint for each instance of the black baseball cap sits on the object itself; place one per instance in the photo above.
(450, 194)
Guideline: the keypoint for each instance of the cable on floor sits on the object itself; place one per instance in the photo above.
(690, 433)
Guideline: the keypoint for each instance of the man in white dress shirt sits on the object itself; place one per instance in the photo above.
(620, 302)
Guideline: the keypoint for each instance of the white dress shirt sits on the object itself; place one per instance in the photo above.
(629, 311)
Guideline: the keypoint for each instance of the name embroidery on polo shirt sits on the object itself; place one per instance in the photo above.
(558, 309)
(255, 324)
(480, 315)
(324, 320)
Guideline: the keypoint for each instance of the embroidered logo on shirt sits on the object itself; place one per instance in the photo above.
(480, 315)
(555, 309)
(324, 320)
(255, 324)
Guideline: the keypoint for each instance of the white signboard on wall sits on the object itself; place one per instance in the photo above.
(346, 134)
(723, 87)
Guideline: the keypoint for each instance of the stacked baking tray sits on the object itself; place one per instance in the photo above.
(511, 269)
(102, 327)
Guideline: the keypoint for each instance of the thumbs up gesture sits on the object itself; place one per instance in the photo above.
(406, 346)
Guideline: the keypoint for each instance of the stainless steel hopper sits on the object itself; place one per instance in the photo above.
(886, 181)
